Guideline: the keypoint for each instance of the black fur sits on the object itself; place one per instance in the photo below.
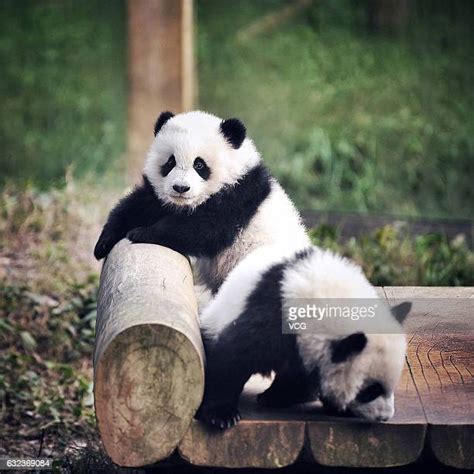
(201, 168)
(165, 169)
(213, 226)
(305, 253)
(292, 385)
(400, 312)
(344, 348)
(140, 207)
(161, 120)
(234, 131)
(253, 343)
(370, 393)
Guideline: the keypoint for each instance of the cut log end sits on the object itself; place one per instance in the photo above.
(149, 376)
(148, 387)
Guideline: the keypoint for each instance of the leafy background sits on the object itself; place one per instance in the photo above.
(348, 119)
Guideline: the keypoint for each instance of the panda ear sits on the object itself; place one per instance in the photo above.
(400, 312)
(234, 132)
(350, 345)
(161, 120)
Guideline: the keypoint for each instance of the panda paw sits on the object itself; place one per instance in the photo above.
(104, 245)
(139, 235)
(221, 416)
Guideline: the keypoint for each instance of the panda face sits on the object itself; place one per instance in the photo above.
(182, 184)
(355, 372)
(194, 155)
(373, 402)
(358, 373)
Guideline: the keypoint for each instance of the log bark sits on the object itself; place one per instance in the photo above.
(148, 358)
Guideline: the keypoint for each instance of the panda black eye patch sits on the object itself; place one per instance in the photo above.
(370, 393)
(168, 166)
(201, 168)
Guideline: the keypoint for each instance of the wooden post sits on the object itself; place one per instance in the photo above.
(161, 69)
(148, 359)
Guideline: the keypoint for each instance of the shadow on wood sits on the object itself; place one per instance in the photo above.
(148, 359)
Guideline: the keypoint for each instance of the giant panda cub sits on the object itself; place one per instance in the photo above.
(205, 193)
(351, 372)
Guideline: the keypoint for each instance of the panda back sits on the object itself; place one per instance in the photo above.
(231, 299)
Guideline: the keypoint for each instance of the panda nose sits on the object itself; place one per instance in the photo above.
(181, 189)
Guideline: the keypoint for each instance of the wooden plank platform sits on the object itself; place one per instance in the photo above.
(440, 357)
(434, 405)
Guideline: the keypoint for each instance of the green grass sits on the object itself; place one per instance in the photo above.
(346, 119)
(62, 88)
(48, 292)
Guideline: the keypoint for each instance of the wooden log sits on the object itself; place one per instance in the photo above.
(272, 20)
(148, 358)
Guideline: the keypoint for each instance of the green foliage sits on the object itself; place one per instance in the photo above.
(48, 293)
(346, 119)
(392, 257)
(45, 348)
(62, 89)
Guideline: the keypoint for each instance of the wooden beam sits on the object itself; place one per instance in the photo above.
(355, 443)
(161, 69)
(149, 382)
(148, 360)
(262, 439)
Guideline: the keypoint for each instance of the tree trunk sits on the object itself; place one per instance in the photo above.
(161, 69)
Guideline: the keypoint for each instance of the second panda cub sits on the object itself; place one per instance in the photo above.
(352, 372)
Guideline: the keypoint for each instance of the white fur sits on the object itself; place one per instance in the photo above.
(196, 134)
(232, 297)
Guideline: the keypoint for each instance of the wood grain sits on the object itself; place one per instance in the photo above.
(148, 358)
(441, 359)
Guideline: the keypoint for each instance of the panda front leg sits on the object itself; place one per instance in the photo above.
(220, 405)
(187, 234)
(226, 373)
(139, 208)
